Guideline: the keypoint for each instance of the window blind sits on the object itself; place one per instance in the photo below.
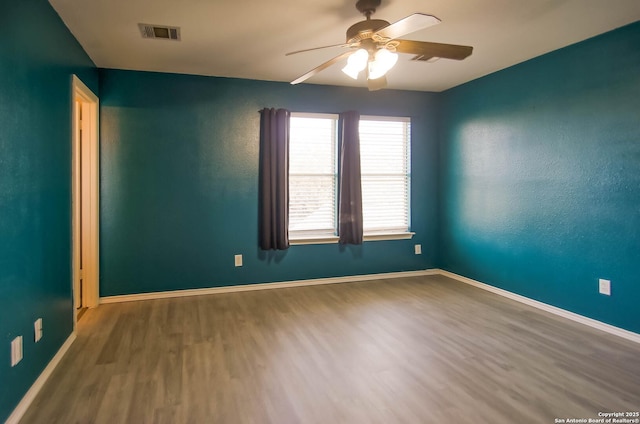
(385, 162)
(312, 175)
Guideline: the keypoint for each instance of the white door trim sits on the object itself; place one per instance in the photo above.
(91, 192)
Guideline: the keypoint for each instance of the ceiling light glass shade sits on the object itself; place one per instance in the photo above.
(356, 63)
(384, 60)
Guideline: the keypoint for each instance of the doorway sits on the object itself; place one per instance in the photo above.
(85, 198)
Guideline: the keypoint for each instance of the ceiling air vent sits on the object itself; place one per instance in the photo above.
(159, 32)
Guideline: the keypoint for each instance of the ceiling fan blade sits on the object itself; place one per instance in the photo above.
(317, 48)
(425, 50)
(321, 67)
(411, 23)
(377, 84)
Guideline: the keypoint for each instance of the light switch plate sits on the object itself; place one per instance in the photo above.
(16, 351)
(605, 286)
(37, 328)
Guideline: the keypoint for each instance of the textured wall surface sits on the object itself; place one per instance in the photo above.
(37, 58)
(527, 179)
(540, 188)
(179, 178)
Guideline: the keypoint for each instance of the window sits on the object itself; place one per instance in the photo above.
(385, 174)
(313, 177)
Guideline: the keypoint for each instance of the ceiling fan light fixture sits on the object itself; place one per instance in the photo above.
(356, 63)
(383, 61)
(378, 42)
(350, 71)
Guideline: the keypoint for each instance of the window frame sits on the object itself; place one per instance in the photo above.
(307, 237)
(299, 239)
(382, 234)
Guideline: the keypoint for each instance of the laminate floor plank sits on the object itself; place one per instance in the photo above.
(407, 350)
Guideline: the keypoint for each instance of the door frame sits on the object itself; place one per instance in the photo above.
(89, 103)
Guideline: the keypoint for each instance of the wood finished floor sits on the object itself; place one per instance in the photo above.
(410, 350)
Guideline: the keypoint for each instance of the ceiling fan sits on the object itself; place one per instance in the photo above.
(373, 46)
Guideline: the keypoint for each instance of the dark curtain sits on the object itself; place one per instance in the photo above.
(350, 213)
(274, 179)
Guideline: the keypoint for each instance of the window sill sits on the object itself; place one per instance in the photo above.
(389, 236)
(336, 239)
(314, 240)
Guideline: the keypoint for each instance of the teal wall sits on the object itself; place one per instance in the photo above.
(540, 178)
(179, 178)
(38, 55)
(527, 179)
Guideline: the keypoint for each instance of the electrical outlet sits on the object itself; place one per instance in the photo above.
(238, 260)
(418, 249)
(37, 327)
(605, 286)
(16, 351)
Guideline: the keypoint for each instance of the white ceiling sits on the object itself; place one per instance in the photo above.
(249, 38)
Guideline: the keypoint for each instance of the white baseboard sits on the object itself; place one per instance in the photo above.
(31, 394)
(263, 286)
(629, 335)
(28, 398)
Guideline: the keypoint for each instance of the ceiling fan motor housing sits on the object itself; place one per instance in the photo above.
(364, 29)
